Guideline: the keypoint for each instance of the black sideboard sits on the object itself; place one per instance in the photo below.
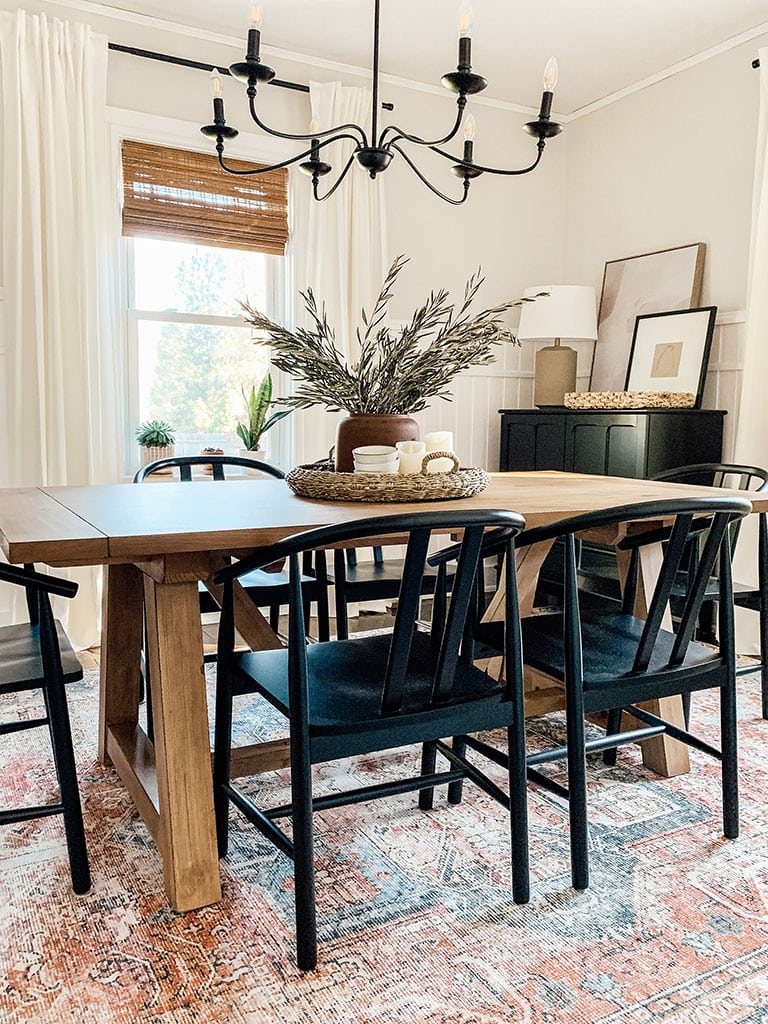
(633, 443)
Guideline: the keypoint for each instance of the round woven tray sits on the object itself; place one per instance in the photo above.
(319, 481)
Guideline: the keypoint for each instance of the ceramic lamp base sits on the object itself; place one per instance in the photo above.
(555, 374)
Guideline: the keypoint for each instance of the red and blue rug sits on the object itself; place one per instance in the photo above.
(417, 925)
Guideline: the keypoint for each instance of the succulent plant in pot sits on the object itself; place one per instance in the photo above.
(156, 439)
(257, 420)
(396, 373)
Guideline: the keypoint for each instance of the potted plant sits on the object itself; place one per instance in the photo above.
(156, 439)
(396, 372)
(256, 422)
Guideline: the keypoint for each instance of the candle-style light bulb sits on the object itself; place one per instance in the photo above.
(550, 81)
(254, 33)
(314, 129)
(466, 20)
(218, 99)
(550, 75)
(469, 136)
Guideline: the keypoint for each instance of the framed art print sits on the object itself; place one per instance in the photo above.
(670, 351)
(634, 286)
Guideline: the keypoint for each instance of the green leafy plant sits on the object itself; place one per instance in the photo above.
(396, 371)
(256, 422)
(155, 434)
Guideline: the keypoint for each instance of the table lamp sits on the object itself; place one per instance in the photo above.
(565, 311)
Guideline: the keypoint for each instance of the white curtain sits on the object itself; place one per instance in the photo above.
(339, 246)
(752, 425)
(59, 268)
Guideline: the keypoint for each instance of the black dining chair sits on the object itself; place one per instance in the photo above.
(36, 655)
(374, 693)
(745, 595)
(266, 589)
(610, 660)
(357, 580)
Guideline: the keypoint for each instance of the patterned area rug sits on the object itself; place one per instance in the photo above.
(415, 915)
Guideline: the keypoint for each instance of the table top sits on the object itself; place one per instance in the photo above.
(129, 523)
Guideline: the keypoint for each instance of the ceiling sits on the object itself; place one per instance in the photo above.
(602, 46)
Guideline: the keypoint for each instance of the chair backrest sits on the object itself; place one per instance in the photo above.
(672, 520)
(218, 463)
(446, 639)
(720, 474)
(38, 589)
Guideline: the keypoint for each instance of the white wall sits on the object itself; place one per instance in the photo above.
(511, 227)
(666, 166)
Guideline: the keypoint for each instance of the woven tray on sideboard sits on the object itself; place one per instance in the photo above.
(323, 484)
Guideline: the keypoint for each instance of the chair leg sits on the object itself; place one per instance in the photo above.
(762, 576)
(612, 727)
(304, 864)
(730, 767)
(64, 759)
(577, 795)
(274, 617)
(428, 760)
(518, 813)
(339, 570)
(456, 789)
(222, 761)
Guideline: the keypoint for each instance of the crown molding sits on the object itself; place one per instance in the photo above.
(92, 7)
(671, 71)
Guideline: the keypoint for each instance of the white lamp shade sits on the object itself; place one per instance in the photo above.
(568, 311)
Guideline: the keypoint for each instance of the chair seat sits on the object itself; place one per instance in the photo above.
(609, 646)
(386, 576)
(345, 686)
(21, 665)
(264, 588)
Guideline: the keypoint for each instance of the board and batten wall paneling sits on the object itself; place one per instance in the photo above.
(5, 592)
(479, 393)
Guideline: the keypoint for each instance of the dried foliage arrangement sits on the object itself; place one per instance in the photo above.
(397, 372)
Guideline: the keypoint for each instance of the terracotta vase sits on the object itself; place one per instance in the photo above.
(368, 428)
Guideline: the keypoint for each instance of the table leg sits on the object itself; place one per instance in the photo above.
(187, 830)
(121, 638)
(662, 754)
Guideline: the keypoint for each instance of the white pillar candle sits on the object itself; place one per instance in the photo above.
(411, 455)
(439, 441)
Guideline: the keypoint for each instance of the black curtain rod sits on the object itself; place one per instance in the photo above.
(199, 66)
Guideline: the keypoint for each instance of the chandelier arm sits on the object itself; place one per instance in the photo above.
(425, 181)
(335, 185)
(417, 140)
(363, 140)
(283, 163)
(496, 170)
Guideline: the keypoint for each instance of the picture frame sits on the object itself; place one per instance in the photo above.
(635, 286)
(670, 351)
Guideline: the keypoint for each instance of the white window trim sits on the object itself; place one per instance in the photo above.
(168, 131)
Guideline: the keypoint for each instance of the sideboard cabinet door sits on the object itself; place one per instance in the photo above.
(633, 443)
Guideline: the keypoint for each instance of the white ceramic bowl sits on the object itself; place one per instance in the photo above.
(388, 466)
(374, 454)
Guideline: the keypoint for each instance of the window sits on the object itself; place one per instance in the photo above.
(190, 355)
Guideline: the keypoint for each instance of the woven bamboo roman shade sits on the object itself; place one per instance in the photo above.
(174, 193)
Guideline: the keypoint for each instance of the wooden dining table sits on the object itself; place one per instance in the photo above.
(157, 543)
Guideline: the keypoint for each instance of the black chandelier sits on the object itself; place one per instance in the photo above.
(375, 151)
